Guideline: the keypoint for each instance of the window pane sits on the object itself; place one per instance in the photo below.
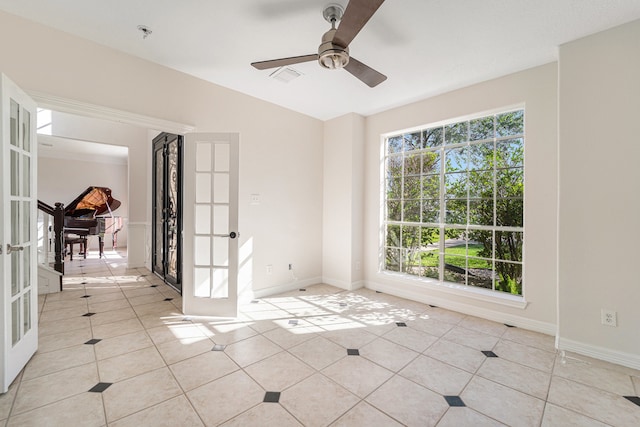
(481, 129)
(394, 210)
(431, 162)
(393, 235)
(430, 249)
(510, 153)
(456, 133)
(456, 160)
(410, 237)
(480, 243)
(456, 185)
(456, 211)
(411, 212)
(411, 263)
(412, 164)
(508, 278)
(15, 322)
(15, 223)
(511, 123)
(480, 273)
(412, 141)
(455, 269)
(26, 312)
(431, 187)
(392, 259)
(26, 175)
(481, 184)
(394, 166)
(394, 188)
(481, 156)
(432, 137)
(509, 212)
(455, 242)
(26, 130)
(481, 211)
(509, 245)
(411, 187)
(14, 111)
(431, 210)
(510, 182)
(394, 144)
(15, 178)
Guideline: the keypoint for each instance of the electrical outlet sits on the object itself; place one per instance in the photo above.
(608, 317)
(269, 269)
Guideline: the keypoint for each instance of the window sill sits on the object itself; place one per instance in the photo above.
(480, 294)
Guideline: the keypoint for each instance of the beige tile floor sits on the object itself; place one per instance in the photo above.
(163, 371)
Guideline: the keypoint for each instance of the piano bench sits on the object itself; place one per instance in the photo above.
(72, 240)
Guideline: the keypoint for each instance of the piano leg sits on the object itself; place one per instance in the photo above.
(101, 245)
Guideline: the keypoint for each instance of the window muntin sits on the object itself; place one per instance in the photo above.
(454, 202)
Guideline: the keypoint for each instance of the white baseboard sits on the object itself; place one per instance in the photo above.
(347, 286)
(618, 357)
(470, 309)
(278, 289)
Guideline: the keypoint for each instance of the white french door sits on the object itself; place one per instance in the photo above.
(18, 256)
(210, 209)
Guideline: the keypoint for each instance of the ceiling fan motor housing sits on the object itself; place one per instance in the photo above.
(331, 55)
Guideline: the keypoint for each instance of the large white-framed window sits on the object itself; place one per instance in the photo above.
(454, 202)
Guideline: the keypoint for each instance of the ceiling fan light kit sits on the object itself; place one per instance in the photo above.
(333, 52)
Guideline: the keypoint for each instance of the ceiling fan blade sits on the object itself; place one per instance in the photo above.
(264, 65)
(368, 75)
(356, 15)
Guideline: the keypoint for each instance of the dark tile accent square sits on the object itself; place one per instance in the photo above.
(489, 353)
(218, 347)
(272, 397)
(255, 301)
(83, 283)
(378, 292)
(343, 304)
(85, 296)
(509, 326)
(293, 322)
(302, 290)
(168, 299)
(88, 314)
(93, 341)
(633, 399)
(100, 387)
(433, 306)
(143, 275)
(401, 324)
(353, 352)
(153, 286)
(454, 401)
(186, 319)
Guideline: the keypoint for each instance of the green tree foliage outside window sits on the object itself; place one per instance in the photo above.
(454, 198)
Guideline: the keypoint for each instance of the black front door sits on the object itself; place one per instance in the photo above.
(167, 208)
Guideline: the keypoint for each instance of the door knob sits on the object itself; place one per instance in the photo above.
(232, 235)
(14, 248)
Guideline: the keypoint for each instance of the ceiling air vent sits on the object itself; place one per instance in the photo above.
(285, 74)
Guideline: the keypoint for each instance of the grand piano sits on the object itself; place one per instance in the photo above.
(91, 213)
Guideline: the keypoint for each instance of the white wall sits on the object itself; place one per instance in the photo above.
(279, 149)
(599, 193)
(343, 201)
(62, 180)
(537, 90)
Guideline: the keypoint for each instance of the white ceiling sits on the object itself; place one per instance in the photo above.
(425, 47)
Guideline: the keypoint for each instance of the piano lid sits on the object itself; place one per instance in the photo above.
(92, 202)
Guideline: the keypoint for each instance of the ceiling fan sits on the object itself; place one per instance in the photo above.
(333, 52)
